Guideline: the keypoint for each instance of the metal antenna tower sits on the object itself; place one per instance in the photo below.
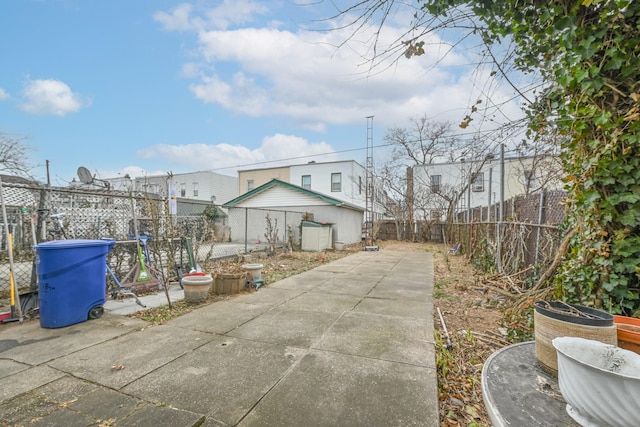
(369, 189)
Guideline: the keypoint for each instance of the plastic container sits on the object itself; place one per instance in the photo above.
(628, 332)
(71, 280)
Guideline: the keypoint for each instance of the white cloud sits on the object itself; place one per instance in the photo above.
(303, 77)
(179, 19)
(229, 158)
(51, 97)
(235, 12)
(230, 12)
(3, 94)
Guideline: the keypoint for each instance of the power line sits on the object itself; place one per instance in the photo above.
(296, 158)
(456, 135)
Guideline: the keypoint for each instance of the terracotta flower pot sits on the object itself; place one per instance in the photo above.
(628, 332)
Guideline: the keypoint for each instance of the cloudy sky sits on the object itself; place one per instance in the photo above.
(151, 86)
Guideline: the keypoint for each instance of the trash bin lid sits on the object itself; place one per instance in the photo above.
(73, 243)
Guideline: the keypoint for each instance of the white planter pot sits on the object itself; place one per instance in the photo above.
(196, 288)
(600, 382)
(255, 270)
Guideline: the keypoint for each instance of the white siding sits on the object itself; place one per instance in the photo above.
(276, 196)
(347, 221)
(321, 179)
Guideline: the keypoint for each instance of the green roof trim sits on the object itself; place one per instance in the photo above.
(276, 182)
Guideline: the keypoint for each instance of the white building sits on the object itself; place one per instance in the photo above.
(203, 185)
(342, 180)
(248, 211)
(467, 185)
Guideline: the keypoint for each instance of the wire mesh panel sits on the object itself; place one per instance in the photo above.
(196, 233)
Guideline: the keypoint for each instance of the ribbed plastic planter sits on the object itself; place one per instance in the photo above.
(600, 382)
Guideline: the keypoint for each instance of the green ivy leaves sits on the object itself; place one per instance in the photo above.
(589, 52)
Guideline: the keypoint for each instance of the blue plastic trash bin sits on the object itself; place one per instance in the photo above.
(71, 280)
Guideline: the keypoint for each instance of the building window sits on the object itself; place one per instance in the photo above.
(336, 181)
(435, 183)
(436, 215)
(249, 184)
(360, 185)
(195, 189)
(306, 182)
(478, 182)
(183, 190)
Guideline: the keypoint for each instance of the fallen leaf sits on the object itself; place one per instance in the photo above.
(472, 410)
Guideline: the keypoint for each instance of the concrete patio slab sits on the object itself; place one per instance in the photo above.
(31, 344)
(223, 379)
(398, 290)
(287, 326)
(403, 281)
(348, 285)
(154, 416)
(319, 275)
(124, 359)
(92, 404)
(392, 338)
(221, 317)
(271, 296)
(316, 301)
(65, 389)
(329, 389)
(26, 380)
(405, 308)
(315, 349)
(297, 283)
(9, 367)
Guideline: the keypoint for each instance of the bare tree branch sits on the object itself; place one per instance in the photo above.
(13, 154)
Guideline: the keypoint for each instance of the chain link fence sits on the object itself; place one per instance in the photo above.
(527, 239)
(198, 233)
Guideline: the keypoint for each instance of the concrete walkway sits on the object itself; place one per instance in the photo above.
(349, 343)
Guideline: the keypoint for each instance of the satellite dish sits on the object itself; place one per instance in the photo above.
(85, 175)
